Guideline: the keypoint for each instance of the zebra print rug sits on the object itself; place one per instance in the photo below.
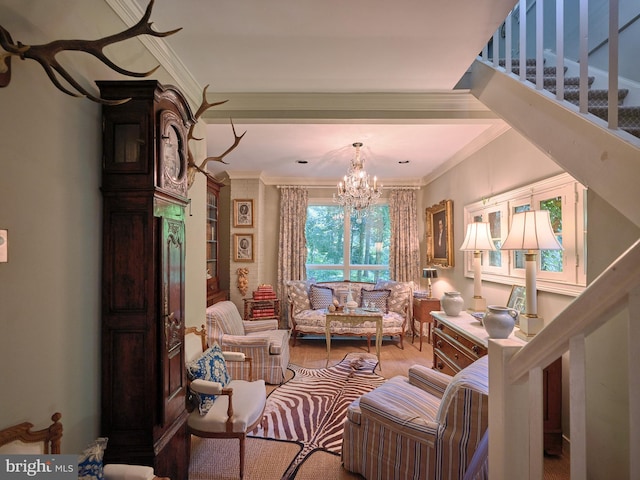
(311, 407)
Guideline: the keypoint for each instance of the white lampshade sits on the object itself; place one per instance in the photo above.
(478, 238)
(531, 230)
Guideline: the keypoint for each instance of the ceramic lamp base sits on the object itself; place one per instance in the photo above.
(530, 326)
(478, 304)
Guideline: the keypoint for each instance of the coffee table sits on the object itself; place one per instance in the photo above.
(355, 317)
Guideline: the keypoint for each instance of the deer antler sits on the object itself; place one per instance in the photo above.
(192, 167)
(45, 55)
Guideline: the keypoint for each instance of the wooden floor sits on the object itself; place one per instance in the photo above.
(311, 352)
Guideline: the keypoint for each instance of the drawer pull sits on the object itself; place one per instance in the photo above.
(440, 366)
(440, 326)
(456, 356)
(475, 349)
(439, 344)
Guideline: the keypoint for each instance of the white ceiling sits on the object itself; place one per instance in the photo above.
(307, 78)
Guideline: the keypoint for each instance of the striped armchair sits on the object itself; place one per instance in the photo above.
(260, 340)
(424, 426)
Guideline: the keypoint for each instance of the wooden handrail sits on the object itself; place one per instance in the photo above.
(593, 308)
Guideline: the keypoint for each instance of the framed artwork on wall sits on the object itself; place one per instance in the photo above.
(243, 213)
(243, 247)
(440, 234)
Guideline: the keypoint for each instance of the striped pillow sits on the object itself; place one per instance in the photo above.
(376, 299)
(320, 297)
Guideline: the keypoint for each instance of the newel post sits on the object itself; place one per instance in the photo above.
(508, 416)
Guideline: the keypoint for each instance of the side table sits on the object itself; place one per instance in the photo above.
(261, 309)
(422, 308)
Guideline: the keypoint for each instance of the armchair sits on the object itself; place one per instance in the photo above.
(259, 339)
(425, 426)
(226, 408)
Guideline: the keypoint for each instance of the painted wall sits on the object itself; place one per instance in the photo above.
(50, 201)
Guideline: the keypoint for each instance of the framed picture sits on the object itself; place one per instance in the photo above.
(243, 213)
(440, 234)
(243, 247)
(517, 298)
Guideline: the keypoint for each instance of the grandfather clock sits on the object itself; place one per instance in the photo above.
(144, 189)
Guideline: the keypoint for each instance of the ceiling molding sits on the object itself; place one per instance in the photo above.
(130, 13)
(382, 107)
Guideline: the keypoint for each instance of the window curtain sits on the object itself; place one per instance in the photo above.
(292, 243)
(404, 249)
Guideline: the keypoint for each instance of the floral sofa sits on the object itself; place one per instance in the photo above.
(308, 303)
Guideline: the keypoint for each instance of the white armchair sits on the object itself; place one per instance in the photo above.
(226, 408)
(260, 340)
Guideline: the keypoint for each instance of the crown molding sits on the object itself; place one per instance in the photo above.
(259, 107)
(130, 13)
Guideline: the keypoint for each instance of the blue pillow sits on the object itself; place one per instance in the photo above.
(90, 466)
(210, 366)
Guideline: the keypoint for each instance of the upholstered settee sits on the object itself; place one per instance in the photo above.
(425, 426)
(308, 303)
(260, 340)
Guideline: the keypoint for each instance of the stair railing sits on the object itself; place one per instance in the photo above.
(516, 380)
(529, 43)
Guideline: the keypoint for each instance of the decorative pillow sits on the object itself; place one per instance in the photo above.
(90, 466)
(376, 299)
(400, 294)
(320, 297)
(298, 291)
(210, 366)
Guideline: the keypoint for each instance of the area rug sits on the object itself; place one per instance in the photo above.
(311, 407)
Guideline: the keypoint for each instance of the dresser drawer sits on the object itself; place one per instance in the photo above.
(454, 337)
(456, 352)
(444, 364)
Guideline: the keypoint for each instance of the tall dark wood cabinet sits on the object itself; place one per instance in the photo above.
(214, 291)
(144, 188)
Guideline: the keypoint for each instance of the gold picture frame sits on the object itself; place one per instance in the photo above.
(243, 247)
(243, 213)
(440, 234)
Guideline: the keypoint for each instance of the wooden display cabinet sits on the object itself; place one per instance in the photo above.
(214, 292)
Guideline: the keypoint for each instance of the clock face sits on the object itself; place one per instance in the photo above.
(171, 154)
(173, 159)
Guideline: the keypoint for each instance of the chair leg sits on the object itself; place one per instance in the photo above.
(241, 456)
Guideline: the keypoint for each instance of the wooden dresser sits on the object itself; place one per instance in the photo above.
(460, 341)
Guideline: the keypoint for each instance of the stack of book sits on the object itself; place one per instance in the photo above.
(264, 292)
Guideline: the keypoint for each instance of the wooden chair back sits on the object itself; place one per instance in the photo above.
(20, 439)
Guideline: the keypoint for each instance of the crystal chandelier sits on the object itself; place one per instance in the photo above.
(355, 190)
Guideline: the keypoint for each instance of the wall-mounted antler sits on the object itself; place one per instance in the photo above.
(192, 167)
(45, 55)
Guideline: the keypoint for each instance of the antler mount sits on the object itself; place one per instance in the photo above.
(45, 55)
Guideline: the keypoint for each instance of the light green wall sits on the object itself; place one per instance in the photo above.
(50, 201)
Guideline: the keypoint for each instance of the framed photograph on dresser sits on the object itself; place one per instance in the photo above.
(517, 298)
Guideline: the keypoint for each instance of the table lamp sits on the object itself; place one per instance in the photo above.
(477, 239)
(531, 231)
(429, 273)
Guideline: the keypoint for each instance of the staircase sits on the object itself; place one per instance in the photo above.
(598, 99)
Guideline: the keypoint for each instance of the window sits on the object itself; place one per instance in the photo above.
(341, 248)
(560, 271)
